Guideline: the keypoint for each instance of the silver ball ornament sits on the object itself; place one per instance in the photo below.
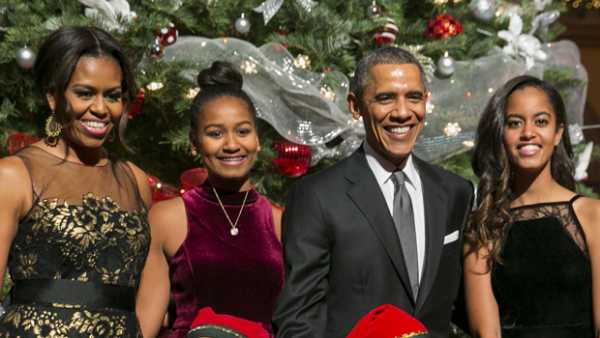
(445, 65)
(156, 49)
(483, 10)
(373, 10)
(242, 25)
(25, 58)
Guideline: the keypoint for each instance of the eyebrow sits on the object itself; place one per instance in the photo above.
(221, 125)
(542, 113)
(84, 86)
(417, 92)
(391, 93)
(394, 93)
(520, 116)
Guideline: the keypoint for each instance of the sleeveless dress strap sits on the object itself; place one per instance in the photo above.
(574, 198)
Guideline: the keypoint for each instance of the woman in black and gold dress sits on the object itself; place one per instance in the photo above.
(532, 266)
(73, 228)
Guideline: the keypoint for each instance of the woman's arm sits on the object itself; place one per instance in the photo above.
(15, 201)
(167, 220)
(588, 213)
(482, 308)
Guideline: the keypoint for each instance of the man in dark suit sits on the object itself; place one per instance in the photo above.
(379, 227)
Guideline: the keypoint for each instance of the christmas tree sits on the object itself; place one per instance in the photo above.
(298, 54)
(323, 41)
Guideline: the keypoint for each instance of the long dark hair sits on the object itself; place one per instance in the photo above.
(220, 79)
(58, 57)
(490, 162)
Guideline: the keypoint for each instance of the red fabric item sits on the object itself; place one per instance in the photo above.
(192, 178)
(136, 105)
(247, 328)
(387, 321)
(17, 141)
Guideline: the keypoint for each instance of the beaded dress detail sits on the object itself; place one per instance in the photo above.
(87, 229)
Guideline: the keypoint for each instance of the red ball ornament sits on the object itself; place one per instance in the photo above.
(152, 181)
(386, 34)
(136, 105)
(192, 178)
(443, 26)
(167, 35)
(161, 191)
(18, 141)
(292, 159)
(384, 38)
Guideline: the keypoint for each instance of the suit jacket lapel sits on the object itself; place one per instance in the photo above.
(434, 200)
(368, 198)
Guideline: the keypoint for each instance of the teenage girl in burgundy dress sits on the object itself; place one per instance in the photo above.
(218, 243)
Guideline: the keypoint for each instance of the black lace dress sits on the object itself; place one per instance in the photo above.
(544, 286)
(77, 257)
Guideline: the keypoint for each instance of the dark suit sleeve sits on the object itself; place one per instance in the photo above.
(302, 310)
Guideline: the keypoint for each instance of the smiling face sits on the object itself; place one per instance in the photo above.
(393, 109)
(94, 101)
(531, 131)
(227, 139)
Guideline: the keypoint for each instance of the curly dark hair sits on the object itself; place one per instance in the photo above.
(489, 222)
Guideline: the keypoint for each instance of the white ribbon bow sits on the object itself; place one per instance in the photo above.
(541, 4)
(519, 44)
(542, 21)
(270, 7)
(111, 13)
(583, 161)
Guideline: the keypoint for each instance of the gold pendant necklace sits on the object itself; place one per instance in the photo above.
(234, 229)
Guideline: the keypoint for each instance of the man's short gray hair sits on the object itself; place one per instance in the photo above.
(385, 55)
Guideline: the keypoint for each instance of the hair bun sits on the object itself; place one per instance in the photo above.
(220, 73)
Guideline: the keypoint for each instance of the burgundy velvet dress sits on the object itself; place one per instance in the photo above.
(236, 275)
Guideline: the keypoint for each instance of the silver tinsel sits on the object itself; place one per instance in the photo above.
(270, 7)
(310, 107)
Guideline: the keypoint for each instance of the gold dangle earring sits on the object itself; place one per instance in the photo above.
(53, 130)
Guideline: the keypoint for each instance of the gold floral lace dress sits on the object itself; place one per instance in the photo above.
(77, 257)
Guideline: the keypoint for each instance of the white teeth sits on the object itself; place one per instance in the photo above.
(233, 159)
(530, 147)
(399, 130)
(94, 124)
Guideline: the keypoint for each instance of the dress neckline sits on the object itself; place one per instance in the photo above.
(540, 204)
(69, 161)
(227, 197)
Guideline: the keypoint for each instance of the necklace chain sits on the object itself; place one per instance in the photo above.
(234, 229)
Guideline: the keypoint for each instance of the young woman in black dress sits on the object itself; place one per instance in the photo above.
(532, 266)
